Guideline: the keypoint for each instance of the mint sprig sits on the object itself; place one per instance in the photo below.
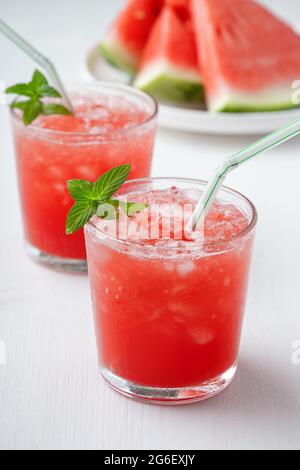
(96, 199)
(36, 90)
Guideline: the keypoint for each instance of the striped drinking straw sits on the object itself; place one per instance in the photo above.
(234, 161)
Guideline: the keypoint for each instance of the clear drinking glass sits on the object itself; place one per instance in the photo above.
(121, 131)
(168, 320)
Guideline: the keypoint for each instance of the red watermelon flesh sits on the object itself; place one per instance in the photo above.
(127, 37)
(173, 39)
(181, 7)
(250, 58)
(169, 67)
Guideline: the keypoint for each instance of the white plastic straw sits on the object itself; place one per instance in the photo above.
(267, 143)
(39, 58)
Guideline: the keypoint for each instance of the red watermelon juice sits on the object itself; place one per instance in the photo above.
(112, 125)
(169, 310)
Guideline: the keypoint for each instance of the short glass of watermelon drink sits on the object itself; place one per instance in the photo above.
(169, 310)
(112, 125)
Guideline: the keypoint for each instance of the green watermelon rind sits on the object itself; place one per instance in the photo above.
(271, 98)
(255, 108)
(114, 57)
(169, 88)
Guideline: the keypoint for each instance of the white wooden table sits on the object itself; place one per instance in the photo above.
(51, 395)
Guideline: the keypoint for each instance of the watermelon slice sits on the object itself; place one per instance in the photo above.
(169, 69)
(181, 7)
(249, 57)
(127, 37)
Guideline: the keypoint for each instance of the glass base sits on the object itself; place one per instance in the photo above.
(170, 396)
(54, 262)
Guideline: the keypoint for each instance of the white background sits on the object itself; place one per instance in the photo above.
(51, 395)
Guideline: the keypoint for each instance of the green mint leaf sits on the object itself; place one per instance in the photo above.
(133, 208)
(79, 215)
(95, 198)
(107, 211)
(110, 182)
(22, 105)
(52, 108)
(80, 190)
(32, 111)
(38, 79)
(48, 91)
(22, 89)
(36, 90)
(130, 208)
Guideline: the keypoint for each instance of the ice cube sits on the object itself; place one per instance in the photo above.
(155, 314)
(178, 288)
(186, 268)
(86, 172)
(192, 194)
(183, 309)
(201, 336)
(96, 130)
(169, 267)
(60, 188)
(177, 307)
(55, 171)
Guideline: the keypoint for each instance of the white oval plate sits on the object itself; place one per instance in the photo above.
(95, 68)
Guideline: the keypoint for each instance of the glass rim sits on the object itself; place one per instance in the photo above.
(250, 227)
(95, 137)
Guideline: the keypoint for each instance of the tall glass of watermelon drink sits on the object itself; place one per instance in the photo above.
(169, 310)
(112, 125)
